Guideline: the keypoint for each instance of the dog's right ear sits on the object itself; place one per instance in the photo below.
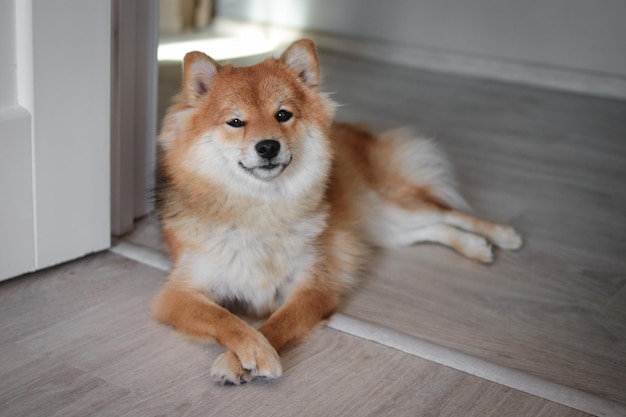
(199, 70)
(301, 57)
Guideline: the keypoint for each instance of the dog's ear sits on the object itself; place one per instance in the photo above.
(302, 58)
(198, 72)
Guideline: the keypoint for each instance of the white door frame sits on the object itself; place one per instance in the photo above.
(71, 146)
(54, 132)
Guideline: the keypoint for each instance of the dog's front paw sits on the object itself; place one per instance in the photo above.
(251, 360)
(227, 370)
(259, 358)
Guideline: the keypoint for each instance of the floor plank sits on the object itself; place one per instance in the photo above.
(34, 385)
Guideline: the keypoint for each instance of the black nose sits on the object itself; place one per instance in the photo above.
(268, 148)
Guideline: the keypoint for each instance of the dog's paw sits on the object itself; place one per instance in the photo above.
(506, 237)
(477, 248)
(260, 359)
(227, 370)
(252, 360)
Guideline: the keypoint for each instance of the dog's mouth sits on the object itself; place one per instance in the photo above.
(267, 171)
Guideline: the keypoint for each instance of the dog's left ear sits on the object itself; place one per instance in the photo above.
(302, 58)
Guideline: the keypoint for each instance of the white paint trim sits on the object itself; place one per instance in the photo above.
(481, 368)
(440, 60)
(25, 92)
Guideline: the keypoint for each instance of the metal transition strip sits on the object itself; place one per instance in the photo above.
(481, 368)
(142, 255)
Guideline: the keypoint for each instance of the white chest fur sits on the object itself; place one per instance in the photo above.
(253, 267)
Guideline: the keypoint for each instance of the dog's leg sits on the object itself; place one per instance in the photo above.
(306, 308)
(392, 226)
(303, 310)
(196, 316)
(501, 235)
(467, 244)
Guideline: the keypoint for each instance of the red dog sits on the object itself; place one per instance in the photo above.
(268, 206)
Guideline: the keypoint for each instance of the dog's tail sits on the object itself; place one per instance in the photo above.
(422, 163)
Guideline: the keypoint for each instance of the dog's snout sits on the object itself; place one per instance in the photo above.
(268, 148)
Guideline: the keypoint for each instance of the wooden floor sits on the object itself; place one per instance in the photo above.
(77, 339)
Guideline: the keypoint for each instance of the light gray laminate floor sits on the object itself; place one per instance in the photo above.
(77, 339)
(553, 165)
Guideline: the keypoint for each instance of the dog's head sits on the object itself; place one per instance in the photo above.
(252, 129)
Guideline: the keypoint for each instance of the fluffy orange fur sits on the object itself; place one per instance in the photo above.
(268, 206)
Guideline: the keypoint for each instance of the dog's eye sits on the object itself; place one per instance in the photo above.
(236, 123)
(283, 115)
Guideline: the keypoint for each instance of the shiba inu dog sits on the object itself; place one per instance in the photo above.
(269, 207)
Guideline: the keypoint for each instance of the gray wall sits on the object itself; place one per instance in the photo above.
(584, 35)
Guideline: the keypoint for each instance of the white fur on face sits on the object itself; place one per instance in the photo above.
(302, 166)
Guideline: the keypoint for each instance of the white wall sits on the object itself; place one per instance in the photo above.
(583, 35)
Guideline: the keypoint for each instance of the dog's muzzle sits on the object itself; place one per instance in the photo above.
(269, 162)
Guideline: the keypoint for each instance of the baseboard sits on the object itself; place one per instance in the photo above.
(450, 62)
